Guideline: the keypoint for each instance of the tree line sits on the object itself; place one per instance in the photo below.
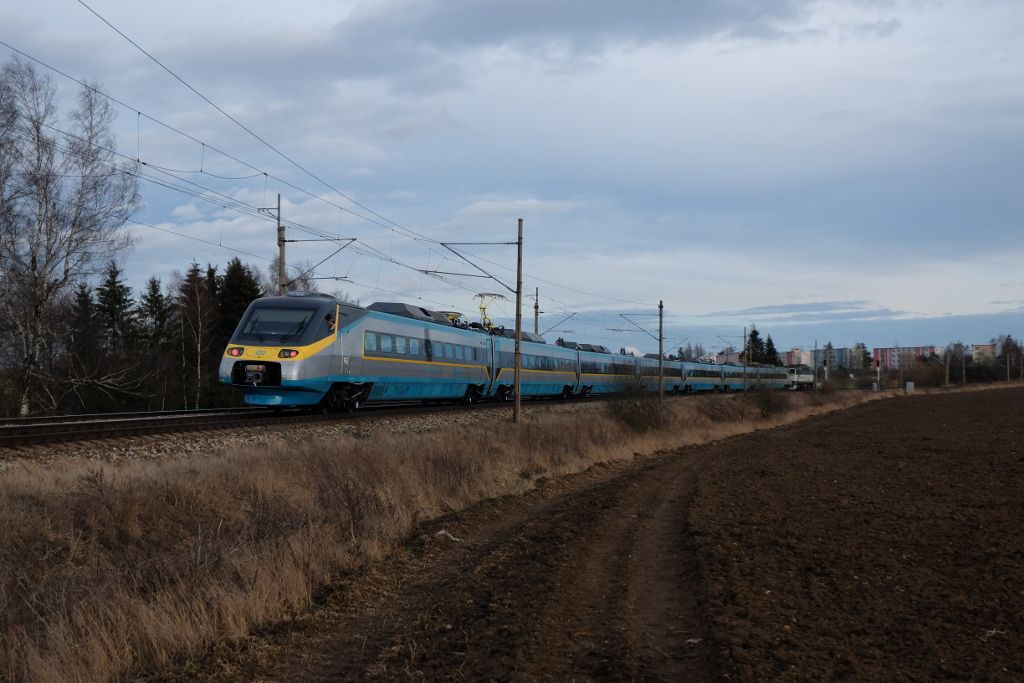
(65, 199)
(111, 350)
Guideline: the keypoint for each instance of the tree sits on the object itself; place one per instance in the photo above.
(115, 311)
(300, 277)
(1009, 354)
(864, 358)
(197, 318)
(64, 200)
(239, 286)
(154, 315)
(771, 356)
(755, 346)
(698, 351)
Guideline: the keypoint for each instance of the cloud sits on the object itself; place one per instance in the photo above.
(426, 46)
(817, 311)
(871, 30)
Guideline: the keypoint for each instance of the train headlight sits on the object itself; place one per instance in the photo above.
(236, 351)
(287, 353)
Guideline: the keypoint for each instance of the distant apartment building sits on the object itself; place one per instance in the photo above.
(728, 355)
(983, 353)
(849, 358)
(890, 357)
(796, 356)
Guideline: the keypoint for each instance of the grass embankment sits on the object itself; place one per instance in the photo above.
(107, 570)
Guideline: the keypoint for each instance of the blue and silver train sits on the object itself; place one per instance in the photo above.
(309, 349)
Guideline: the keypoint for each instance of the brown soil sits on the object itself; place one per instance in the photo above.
(885, 542)
(878, 543)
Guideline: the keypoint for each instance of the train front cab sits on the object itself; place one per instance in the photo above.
(283, 352)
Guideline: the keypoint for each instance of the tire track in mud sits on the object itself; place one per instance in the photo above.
(589, 577)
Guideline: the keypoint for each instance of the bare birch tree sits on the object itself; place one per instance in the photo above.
(64, 200)
(197, 311)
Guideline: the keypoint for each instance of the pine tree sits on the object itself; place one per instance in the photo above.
(114, 310)
(755, 346)
(83, 317)
(154, 314)
(159, 332)
(771, 356)
(239, 286)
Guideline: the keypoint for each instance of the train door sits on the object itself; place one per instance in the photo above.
(579, 375)
(339, 362)
(493, 366)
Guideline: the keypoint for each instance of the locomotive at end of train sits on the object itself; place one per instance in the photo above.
(311, 350)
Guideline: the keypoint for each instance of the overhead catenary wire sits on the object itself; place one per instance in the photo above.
(387, 224)
(248, 130)
(244, 208)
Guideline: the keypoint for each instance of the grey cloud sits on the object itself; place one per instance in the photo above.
(821, 311)
(422, 45)
(810, 307)
(872, 30)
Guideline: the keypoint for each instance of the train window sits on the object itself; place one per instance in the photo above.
(400, 345)
(475, 356)
(428, 349)
(370, 341)
(449, 351)
(414, 347)
(386, 343)
(458, 352)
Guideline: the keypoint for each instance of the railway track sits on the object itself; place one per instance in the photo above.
(27, 432)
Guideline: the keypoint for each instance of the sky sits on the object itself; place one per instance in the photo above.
(832, 171)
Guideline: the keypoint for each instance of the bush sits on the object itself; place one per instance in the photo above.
(638, 408)
(769, 401)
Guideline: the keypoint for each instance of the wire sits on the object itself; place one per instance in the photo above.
(388, 224)
(249, 130)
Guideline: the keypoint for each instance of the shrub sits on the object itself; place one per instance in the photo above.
(769, 401)
(638, 408)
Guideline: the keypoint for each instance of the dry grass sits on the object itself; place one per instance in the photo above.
(109, 570)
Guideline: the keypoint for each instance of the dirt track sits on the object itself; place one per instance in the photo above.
(589, 577)
(881, 542)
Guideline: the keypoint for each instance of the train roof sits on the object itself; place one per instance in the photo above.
(409, 311)
(524, 335)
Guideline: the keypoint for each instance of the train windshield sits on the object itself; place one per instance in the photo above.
(281, 325)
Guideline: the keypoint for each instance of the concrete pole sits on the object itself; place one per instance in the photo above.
(945, 363)
(536, 310)
(661, 351)
(519, 323)
(281, 278)
(814, 362)
(963, 369)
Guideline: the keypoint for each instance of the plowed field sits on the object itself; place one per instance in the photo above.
(885, 541)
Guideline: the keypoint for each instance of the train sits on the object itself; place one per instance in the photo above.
(310, 350)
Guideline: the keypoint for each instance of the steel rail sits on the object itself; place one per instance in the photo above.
(74, 429)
